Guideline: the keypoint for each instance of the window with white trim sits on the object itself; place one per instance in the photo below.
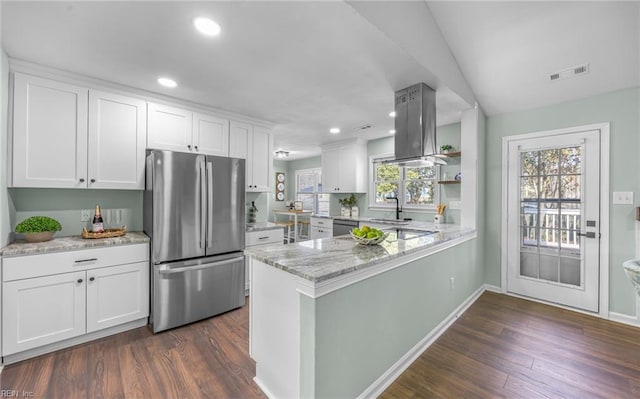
(309, 190)
(415, 187)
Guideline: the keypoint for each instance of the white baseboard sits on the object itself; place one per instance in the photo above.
(624, 319)
(377, 388)
(493, 288)
(263, 388)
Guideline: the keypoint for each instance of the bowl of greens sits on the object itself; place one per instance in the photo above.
(38, 228)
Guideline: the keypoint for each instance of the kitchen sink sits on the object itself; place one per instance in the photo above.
(407, 234)
(390, 221)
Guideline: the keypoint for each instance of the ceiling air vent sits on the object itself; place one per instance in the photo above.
(569, 72)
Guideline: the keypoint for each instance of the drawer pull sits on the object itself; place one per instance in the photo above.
(263, 238)
(86, 260)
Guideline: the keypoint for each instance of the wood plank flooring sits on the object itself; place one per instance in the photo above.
(505, 347)
(501, 347)
(208, 359)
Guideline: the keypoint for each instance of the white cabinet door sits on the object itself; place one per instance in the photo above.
(321, 232)
(43, 310)
(210, 135)
(169, 128)
(117, 132)
(239, 135)
(330, 171)
(260, 161)
(346, 164)
(49, 147)
(117, 295)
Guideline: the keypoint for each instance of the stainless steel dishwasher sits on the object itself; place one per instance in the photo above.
(343, 226)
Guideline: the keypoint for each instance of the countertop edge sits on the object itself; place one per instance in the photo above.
(422, 251)
(70, 243)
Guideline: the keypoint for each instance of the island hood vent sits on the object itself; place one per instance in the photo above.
(415, 125)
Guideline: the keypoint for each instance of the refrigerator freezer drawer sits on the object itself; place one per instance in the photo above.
(184, 292)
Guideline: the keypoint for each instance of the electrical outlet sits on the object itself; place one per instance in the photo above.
(454, 204)
(452, 283)
(623, 197)
(85, 215)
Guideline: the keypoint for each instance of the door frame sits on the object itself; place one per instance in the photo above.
(604, 128)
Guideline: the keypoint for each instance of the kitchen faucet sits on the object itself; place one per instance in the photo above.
(398, 207)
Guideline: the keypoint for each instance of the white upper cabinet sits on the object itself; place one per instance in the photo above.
(169, 128)
(49, 141)
(210, 135)
(117, 131)
(260, 163)
(178, 129)
(253, 143)
(66, 136)
(344, 167)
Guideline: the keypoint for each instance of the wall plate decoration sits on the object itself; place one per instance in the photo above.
(279, 186)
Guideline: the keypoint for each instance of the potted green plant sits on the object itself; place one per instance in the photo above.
(38, 228)
(446, 148)
(348, 204)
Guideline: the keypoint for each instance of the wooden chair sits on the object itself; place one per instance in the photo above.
(303, 229)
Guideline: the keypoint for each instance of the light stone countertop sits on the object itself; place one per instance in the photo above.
(262, 226)
(324, 259)
(71, 243)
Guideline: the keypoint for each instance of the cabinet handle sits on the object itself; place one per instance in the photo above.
(86, 260)
(91, 278)
(196, 147)
(189, 146)
(81, 180)
(79, 280)
(93, 180)
(263, 238)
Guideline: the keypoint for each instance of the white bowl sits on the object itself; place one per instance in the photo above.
(369, 241)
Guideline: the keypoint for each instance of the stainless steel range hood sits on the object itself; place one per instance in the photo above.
(415, 125)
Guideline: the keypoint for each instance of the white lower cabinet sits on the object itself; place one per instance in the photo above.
(50, 298)
(258, 238)
(117, 295)
(41, 311)
(320, 228)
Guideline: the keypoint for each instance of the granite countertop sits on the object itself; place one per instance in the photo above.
(261, 226)
(20, 248)
(324, 259)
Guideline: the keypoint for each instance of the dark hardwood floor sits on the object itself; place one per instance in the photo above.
(505, 347)
(208, 359)
(501, 347)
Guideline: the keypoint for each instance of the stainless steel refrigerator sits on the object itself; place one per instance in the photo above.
(194, 214)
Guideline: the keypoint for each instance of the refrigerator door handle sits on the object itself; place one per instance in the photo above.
(203, 201)
(200, 267)
(209, 203)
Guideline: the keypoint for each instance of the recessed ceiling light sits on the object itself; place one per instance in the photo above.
(334, 130)
(392, 131)
(207, 26)
(281, 154)
(166, 82)
(392, 114)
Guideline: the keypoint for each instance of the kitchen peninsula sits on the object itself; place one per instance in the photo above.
(333, 318)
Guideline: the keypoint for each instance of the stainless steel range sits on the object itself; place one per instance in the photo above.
(194, 214)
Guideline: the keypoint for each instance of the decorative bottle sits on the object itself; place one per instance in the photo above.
(98, 224)
(253, 210)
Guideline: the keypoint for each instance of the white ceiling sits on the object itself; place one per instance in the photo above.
(307, 66)
(506, 50)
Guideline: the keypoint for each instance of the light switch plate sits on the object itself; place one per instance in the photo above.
(623, 197)
(454, 204)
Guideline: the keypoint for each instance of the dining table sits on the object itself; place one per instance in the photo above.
(292, 213)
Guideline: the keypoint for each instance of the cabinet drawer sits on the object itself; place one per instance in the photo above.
(321, 232)
(321, 222)
(21, 267)
(274, 236)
